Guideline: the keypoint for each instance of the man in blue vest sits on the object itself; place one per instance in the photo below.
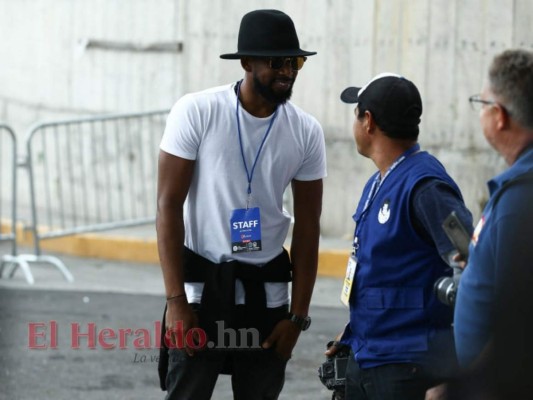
(400, 334)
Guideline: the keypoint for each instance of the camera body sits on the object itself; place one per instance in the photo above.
(332, 372)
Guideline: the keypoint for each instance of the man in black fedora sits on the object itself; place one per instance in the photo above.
(227, 156)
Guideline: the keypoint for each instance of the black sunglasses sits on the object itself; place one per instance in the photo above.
(279, 62)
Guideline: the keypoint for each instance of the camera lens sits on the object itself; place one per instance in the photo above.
(446, 290)
(328, 369)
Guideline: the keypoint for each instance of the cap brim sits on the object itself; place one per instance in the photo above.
(276, 53)
(350, 95)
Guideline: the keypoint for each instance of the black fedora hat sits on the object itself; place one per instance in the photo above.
(265, 33)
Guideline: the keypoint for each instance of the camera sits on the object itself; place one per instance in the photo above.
(446, 287)
(332, 372)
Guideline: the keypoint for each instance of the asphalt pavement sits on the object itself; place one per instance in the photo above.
(120, 303)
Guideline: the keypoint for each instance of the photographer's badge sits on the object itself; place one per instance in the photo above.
(348, 281)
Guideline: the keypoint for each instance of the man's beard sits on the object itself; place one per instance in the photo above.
(269, 94)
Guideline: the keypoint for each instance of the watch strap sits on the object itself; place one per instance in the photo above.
(301, 322)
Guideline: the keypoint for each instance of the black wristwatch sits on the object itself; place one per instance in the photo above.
(301, 322)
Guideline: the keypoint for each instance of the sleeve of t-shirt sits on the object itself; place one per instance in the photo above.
(183, 129)
(314, 163)
(433, 201)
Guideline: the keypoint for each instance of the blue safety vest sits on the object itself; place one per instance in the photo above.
(394, 313)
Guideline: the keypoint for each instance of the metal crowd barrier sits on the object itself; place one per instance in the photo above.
(8, 203)
(92, 174)
(8, 184)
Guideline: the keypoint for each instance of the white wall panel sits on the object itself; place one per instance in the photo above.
(439, 101)
(445, 46)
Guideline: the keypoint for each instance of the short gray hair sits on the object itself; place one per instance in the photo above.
(511, 79)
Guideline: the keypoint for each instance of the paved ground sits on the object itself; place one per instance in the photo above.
(119, 295)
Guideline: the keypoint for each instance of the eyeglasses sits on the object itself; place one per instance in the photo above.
(296, 63)
(476, 102)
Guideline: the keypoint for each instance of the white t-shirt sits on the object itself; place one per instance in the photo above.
(203, 127)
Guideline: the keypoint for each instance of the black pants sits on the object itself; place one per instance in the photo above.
(256, 374)
(386, 382)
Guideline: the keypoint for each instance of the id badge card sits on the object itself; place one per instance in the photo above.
(348, 280)
(245, 230)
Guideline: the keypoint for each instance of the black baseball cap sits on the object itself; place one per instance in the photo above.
(394, 102)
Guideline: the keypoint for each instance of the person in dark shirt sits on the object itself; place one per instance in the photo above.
(494, 311)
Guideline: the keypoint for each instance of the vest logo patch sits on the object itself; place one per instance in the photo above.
(384, 212)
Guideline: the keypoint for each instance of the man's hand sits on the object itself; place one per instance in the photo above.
(459, 261)
(180, 319)
(283, 338)
(436, 393)
(333, 349)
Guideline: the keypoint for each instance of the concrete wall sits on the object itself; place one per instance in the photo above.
(444, 46)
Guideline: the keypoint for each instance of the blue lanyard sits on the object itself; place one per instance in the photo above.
(376, 185)
(250, 174)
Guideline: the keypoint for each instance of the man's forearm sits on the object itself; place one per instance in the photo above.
(304, 255)
(170, 237)
(174, 178)
(305, 240)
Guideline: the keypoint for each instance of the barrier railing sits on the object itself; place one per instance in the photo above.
(8, 203)
(8, 184)
(92, 174)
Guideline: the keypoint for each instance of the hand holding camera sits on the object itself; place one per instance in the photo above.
(446, 287)
(332, 372)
